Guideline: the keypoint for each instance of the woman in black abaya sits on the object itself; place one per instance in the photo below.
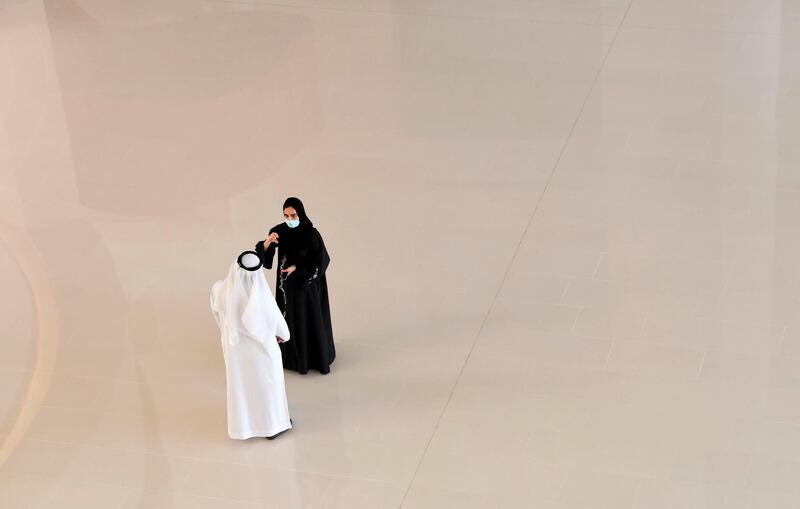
(301, 289)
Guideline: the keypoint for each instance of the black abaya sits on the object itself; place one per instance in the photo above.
(303, 295)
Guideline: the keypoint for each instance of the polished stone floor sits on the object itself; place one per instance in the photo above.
(565, 238)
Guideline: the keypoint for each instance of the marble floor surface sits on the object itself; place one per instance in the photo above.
(564, 235)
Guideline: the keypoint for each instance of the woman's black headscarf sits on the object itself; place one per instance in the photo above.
(297, 205)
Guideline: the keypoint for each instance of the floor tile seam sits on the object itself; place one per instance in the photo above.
(394, 347)
(199, 459)
(608, 50)
(416, 14)
(163, 454)
(706, 30)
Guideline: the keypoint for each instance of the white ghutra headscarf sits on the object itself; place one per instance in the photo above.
(242, 303)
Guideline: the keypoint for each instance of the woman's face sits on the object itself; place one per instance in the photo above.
(290, 213)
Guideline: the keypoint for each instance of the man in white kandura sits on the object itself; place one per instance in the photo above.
(251, 325)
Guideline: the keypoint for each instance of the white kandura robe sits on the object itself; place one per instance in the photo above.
(249, 320)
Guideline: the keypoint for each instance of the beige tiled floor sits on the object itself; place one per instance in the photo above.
(564, 239)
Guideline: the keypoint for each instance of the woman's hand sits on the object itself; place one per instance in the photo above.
(288, 271)
(273, 238)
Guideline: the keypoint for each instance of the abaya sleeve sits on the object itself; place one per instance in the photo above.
(317, 261)
(268, 254)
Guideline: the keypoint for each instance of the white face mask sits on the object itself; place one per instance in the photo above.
(292, 223)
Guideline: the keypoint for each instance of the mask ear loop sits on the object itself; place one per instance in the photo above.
(251, 269)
